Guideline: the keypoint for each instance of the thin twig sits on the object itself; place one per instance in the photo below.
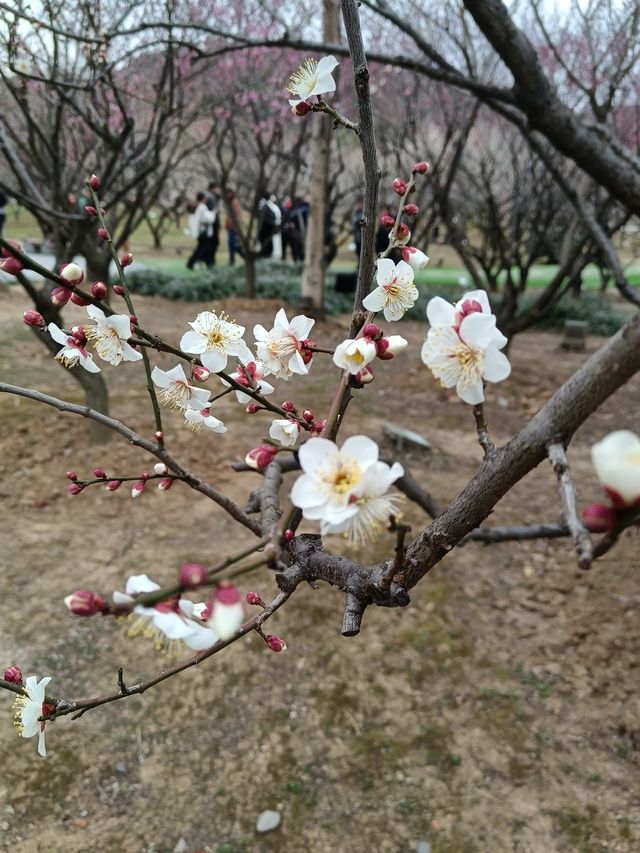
(579, 533)
(481, 425)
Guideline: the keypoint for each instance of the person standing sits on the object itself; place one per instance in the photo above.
(201, 224)
(232, 224)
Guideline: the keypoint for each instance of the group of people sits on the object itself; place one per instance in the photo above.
(281, 229)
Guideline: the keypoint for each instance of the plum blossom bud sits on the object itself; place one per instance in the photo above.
(83, 602)
(276, 644)
(371, 331)
(99, 289)
(159, 435)
(145, 476)
(396, 344)
(90, 210)
(193, 575)
(318, 426)
(72, 274)
(13, 675)
(103, 234)
(160, 468)
(254, 598)
(599, 518)
(71, 475)
(113, 485)
(261, 456)
(100, 473)
(301, 108)
(34, 319)
(308, 415)
(79, 300)
(364, 376)
(252, 408)
(288, 535)
(411, 209)
(421, 168)
(118, 289)
(138, 489)
(165, 484)
(305, 352)
(60, 295)
(94, 182)
(199, 373)
(414, 257)
(75, 489)
(12, 266)
(288, 406)
(399, 186)
(387, 221)
(403, 235)
(5, 253)
(126, 260)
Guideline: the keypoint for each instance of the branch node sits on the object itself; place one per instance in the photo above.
(353, 612)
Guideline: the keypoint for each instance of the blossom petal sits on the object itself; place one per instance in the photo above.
(472, 393)
(440, 312)
(376, 300)
(496, 365)
(360, 447)
(479, 296)
(214, 360)
(193, 342)
(385, 272)
(316, 453)
(307, 492)
(140, 583)
(301, 326)
(477, 329)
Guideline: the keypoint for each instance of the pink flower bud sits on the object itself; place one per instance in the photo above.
(94, 182)
(200, 374)
(254, 598)
(165, 484)
(34, 319)
(261, 456)
(5, 253)
(126, 260)
(100, 473)
(138, 489)
(318, 426)
(13, 675)
(382, 346)
(399, 186)
(301, 108)
(118, 289)
(83, 602)
(252, 408)
(99, 290)
(387, 221)
(414, 257)
(134, 319)
(403, 234)
(288, 406)
(421, 168)
(71, 475)
(12, 266)
(411, 209)
(308, 415)
(288, 535)
(365, 376)
(90, 210)
(193, 575)
(276, 644)
(306, 353)
(72, 274)
(79, 300)
(60, 295)
(159, 436)
(113, 485)
(599, 518)
(75, 489)
(145, 476)
(103, 234)
(371, 331)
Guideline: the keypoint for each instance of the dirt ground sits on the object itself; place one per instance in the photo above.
(498, 712)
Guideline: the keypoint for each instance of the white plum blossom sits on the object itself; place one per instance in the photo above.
(166, 621)
(251, 376)
(331, 476)
(416, 259)
(395, 292)
(72, 351)
(279, 349)
(374, 506)
(354, 354)
(312, 78)
(463, 345)
(214, 338)
(616, 460)
(284, 431)
(28, 708)
(176, 391)
(224, 612)
(203, 418)
(110, 336)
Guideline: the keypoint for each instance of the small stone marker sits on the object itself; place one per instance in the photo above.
(575, 335)
(399, 436)
(268, 821)
(423, 847)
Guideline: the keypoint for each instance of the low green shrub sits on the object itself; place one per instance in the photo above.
(602, 314)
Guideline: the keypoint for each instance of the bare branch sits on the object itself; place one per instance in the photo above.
(579, 533)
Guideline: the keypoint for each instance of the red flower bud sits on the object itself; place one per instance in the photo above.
(94, 182)
(399, 186)
(159, 436)
(318, 426)
(276, 644)
(165, 484)
(288, 535)
(90, 210)
(145, 476)
(254, 598)
(252, 408)
(301, 108)
(138, 489)
(99, 290)
(421, 168)
(75, 489)
(113, 485)
(60, 295)
(387, 221)
(382, 346)
(308, 415)
(306, 353)
(371, 331)
(83, 602)
(34, 319)
(71, 475)
(261, 456)
(103, 234)
(118, 289)
(5, 253)
(288, 406)
(134, 319)
(79, 300)
(200, 374)
(126, 259)
(13, 675)
(411, 209)
(365, 376)
(599, 518)
(12, 266)
(193, 575)
(100, 473)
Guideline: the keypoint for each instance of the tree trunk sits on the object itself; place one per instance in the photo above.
(312, 296)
